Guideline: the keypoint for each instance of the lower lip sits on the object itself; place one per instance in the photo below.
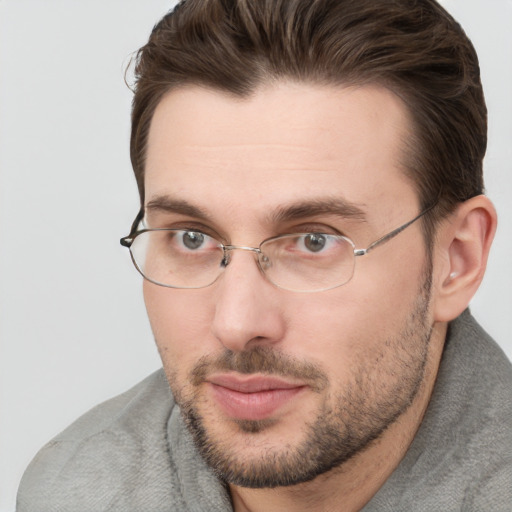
(252, 406)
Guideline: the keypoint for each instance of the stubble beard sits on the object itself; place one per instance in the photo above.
(346, 424)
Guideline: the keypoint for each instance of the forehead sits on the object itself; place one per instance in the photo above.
(285, 143)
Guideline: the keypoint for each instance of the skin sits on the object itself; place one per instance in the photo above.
(375, 341)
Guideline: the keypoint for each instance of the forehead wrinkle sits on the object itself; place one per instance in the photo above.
(314, 207)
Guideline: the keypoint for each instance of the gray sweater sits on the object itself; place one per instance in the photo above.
(133, 452)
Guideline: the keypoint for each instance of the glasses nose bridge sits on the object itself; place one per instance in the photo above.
(242, 248)
(229, 248)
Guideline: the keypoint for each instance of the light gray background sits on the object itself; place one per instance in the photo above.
(73, 329)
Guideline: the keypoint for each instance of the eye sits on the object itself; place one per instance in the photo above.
(314, 242)
(193, 240)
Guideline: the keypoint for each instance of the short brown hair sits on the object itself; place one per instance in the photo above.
(412, 47)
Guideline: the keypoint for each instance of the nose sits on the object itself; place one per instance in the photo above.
(248, 309)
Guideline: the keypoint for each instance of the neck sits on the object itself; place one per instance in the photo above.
(352, 485)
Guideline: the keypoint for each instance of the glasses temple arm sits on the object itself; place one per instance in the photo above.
(126, 241)
(389, 236)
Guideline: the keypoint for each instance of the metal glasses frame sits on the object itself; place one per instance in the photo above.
(128, 240)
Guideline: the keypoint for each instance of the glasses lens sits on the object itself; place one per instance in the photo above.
(308, 261)
(177, 258)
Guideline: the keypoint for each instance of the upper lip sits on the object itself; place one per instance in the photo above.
(251, 383)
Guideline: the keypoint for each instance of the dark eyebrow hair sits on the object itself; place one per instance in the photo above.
(322, 206)
(309, 208)
(173, 205)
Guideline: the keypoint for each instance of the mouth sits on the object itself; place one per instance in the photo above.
(254, 397)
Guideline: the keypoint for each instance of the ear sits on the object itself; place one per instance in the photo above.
(462, 247)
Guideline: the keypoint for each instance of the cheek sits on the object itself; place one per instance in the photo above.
(387, 284)
(325, 329)
(342, 327)
(180, 322)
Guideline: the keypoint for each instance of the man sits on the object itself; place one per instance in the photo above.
(312, 229)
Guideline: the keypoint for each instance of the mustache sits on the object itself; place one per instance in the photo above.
(263, 360)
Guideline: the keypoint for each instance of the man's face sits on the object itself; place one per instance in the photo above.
(279, 386)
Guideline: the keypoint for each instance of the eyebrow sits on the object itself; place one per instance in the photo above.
(338, 207)
(173, 205)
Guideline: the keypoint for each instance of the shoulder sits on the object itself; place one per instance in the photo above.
(471, 411)
(117, 414)
(116, 445)
(461, 457)
(475, 378)
(480, 375)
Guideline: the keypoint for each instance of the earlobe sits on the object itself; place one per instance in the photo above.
(463, 247)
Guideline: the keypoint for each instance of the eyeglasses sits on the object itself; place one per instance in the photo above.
(300, 262)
